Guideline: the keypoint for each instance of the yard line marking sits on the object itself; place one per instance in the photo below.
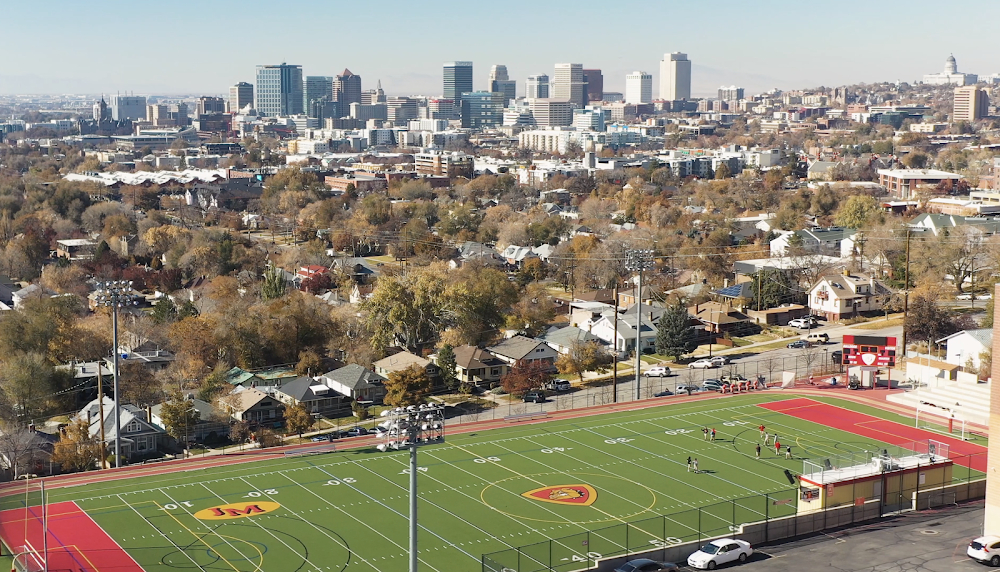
(170, 540)
(214, 531)
(390, 509)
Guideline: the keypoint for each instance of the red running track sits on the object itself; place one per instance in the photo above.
(962, 452)
(76, 542)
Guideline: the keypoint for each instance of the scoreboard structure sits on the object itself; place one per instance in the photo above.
(869, 351)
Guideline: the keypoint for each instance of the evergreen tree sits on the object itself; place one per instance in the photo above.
(674, 335)
(446, 361)
(274, 284)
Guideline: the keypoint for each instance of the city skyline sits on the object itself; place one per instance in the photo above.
(762, 52)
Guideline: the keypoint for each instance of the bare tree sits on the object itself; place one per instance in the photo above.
(18, 450)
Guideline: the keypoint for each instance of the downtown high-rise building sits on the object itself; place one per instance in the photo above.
(279, 90)
(638, 87)
(567, 83)
(128, 107)
(594, 79)
(675, 77)
(347, 89)
(971, 104)
(457, 79)
(731, 93)
(482, 109)
(316, 88)
(240, 96)
(537, 87)
(500, 82)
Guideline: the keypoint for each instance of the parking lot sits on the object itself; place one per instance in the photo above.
(927, 541)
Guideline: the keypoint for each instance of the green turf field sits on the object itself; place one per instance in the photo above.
(348, 510)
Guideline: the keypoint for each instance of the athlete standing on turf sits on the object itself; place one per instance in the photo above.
(695, 464)
(758, 450)
(763, 434)
(689, 464)
(777, 445)
(713, 434)
(788, 452)
(704, 433)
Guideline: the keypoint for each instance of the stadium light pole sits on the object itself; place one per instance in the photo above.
(409, 428)
(116, 294)
(637, 261)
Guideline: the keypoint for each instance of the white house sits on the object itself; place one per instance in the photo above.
(845, 295)
(968, 345)
(828, 241)
(625, 342)
(523, 348)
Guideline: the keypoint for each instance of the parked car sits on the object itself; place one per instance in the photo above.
(664, 393)
(658, 371)
(965, 296)
(646, 565)
(559, 385)
(803, 323)
(799, 344)
(711, 385)
(702, 364)
(719, 361)
(733, 378)
(817, 338)
(722, 551)
(379, 431)
(837, 356)
(985, 549)
(534, 397)
(356, 431)
(687, 389)
(984, 297)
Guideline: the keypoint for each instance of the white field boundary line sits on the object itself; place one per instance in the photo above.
(286, 465)
(396, 512)
(163, 534)
(352, 517)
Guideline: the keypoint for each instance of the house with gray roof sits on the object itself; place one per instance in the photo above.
(356, 382)
(563, 339)
(479, 367)
(628, 327)
(138, 435)
(401, 361)
(829, 241)
(317, 397)
(523, 348)
(212, 423)
(938, 223)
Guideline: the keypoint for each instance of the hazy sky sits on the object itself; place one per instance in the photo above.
(202, 47)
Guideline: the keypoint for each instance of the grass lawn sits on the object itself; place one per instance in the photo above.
(348, 510)
(880, 323)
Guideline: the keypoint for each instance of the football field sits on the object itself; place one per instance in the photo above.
(480, 493)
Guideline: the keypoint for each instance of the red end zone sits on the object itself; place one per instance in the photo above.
(878, 429)
(76, 542)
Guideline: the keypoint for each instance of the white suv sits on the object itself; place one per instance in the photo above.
(985, 549)
(658, 371)
(802, 323)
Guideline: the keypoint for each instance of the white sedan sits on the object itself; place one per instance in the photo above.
(702, 364)
(722, 551)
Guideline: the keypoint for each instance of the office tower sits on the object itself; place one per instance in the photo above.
(567, 83)
(400, 110)
(128, 107)
(482, 109)
(590, 118)
(638, 87)
(323, 109)
(552, 112)
(347, 89)
(315, 88)
(457, 79)
(731, 93)
(441, 109)
(971, 104)
(595, 84)
(537, 87)
(240, 96)
(675, 77)
(501, 83)
(373, 96)
(211, 105)
(279, 90)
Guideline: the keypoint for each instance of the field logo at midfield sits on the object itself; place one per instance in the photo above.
(582, 495)
(236, 510)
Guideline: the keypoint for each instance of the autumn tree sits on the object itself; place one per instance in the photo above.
(178, 415)
(409, 386)
(583, 357)
(137, 385)
(859, 211)
(926, 321)
(525, 376)
(297, 419)
(77, 449)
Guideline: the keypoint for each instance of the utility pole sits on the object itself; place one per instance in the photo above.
(614, 363)
(906, 289)
(638, 261)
